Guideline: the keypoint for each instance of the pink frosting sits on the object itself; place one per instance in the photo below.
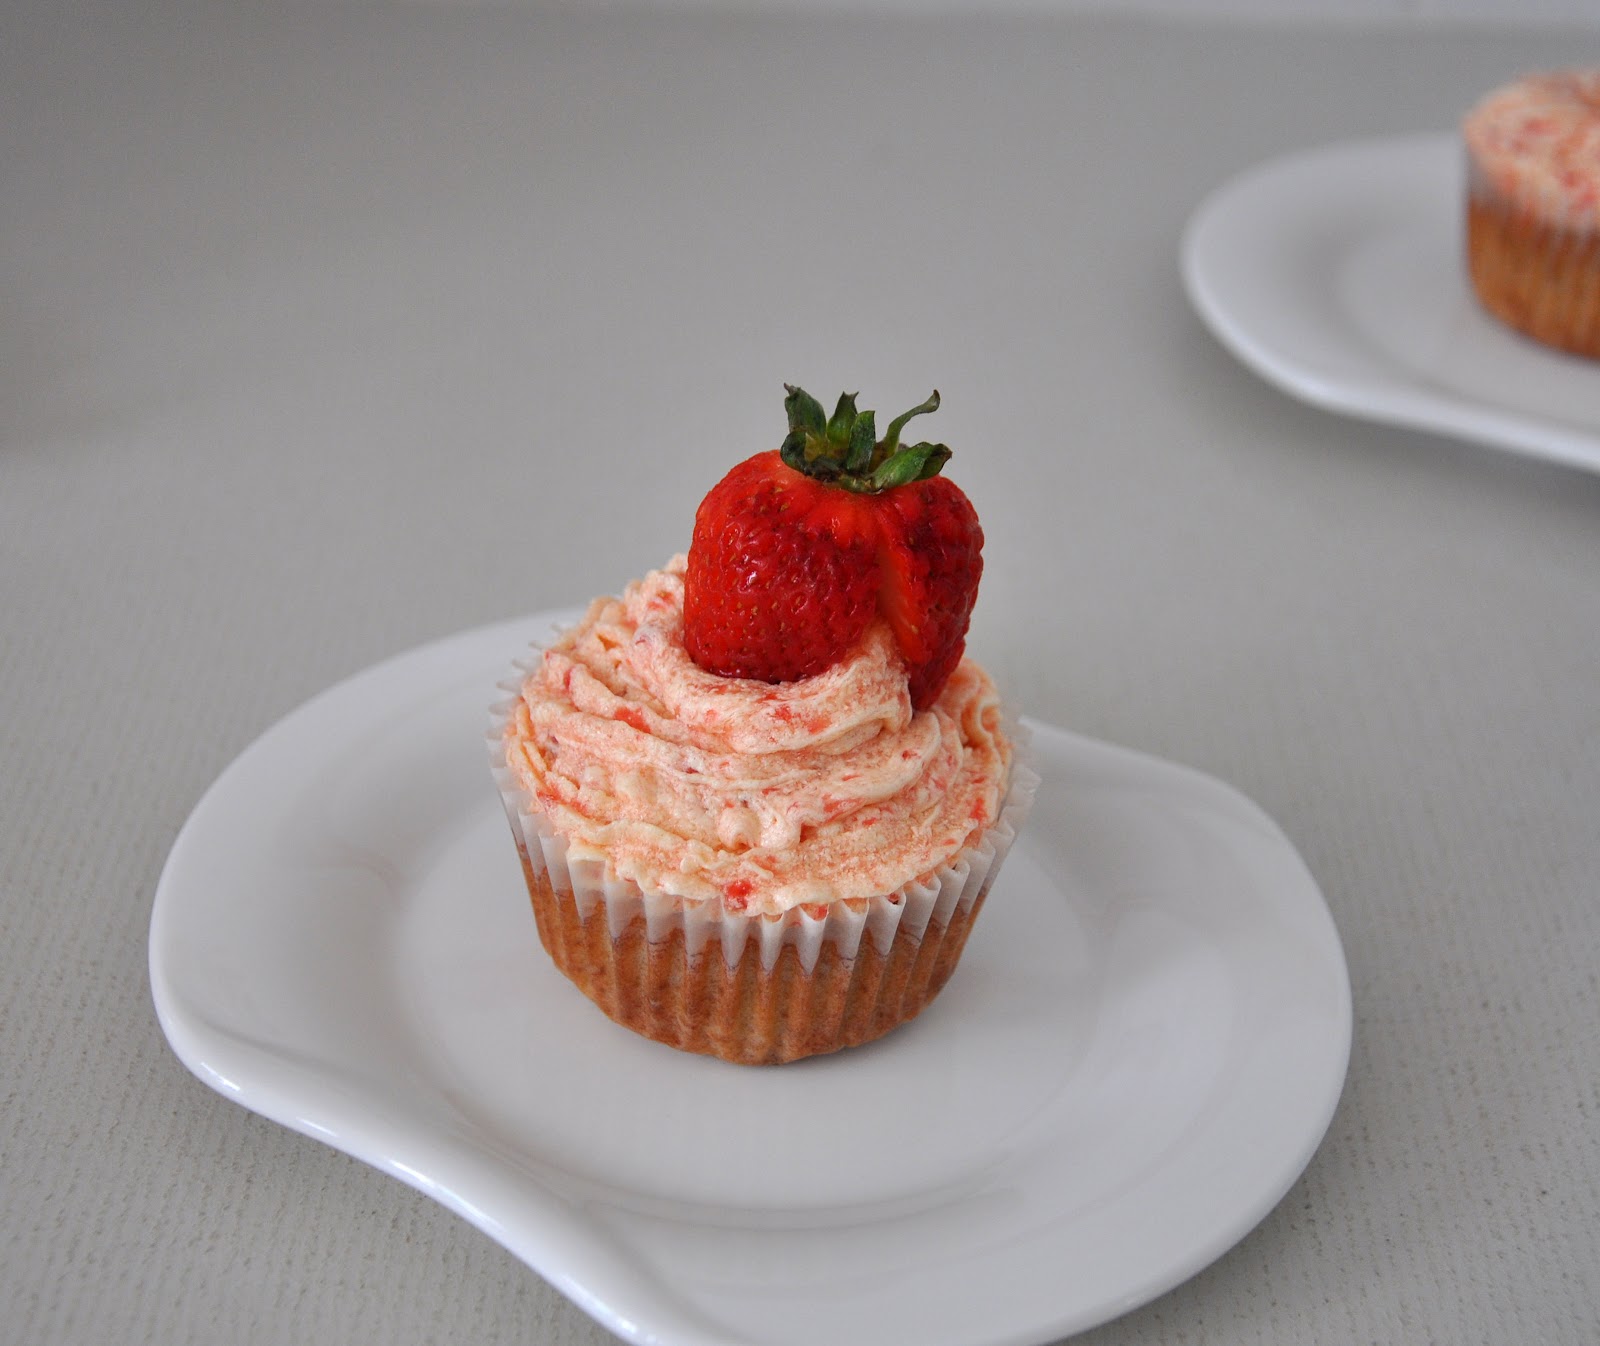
(766, 796)
(1537, 143)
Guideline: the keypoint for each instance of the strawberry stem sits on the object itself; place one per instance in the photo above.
(805, 412)
(891, 441)
(843, 420)
(842, 449)
(862, 443)
(917, 463)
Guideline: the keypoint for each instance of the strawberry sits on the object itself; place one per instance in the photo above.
(796, 550)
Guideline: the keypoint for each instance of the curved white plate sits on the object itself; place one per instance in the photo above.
(1141, 1049)
(1337, 275)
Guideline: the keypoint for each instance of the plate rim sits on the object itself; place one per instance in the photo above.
(1400, 400)
(544, 1242)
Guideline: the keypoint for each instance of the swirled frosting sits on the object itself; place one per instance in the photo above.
(1536, 142)
(767, 796)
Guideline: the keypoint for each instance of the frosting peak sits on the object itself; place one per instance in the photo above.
(1537, 142)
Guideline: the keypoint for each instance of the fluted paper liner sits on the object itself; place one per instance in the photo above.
(1532, 267)
(753, 988)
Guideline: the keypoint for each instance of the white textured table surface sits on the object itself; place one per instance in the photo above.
(328, 330)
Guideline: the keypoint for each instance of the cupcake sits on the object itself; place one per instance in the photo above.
(761, 796)
(1533, 207)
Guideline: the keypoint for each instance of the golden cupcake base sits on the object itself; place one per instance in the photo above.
(745, 1012)
(1539, 278)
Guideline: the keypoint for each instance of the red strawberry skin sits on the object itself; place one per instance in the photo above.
(932, 559)
(786, 571)
(782, 580)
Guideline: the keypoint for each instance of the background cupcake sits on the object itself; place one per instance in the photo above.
(1533, 207)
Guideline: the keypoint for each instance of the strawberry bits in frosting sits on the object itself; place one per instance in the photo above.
(1537, 142)
(767, 796)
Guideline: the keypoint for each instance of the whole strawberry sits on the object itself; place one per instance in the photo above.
(797, 549)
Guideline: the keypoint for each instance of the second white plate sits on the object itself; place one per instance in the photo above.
(1138, 1055)
(1337, 274)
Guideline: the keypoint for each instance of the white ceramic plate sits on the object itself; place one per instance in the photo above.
(1141, 1049)
(1337, 275)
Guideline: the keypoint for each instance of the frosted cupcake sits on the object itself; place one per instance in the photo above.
(1533, 207)
(757, 866)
